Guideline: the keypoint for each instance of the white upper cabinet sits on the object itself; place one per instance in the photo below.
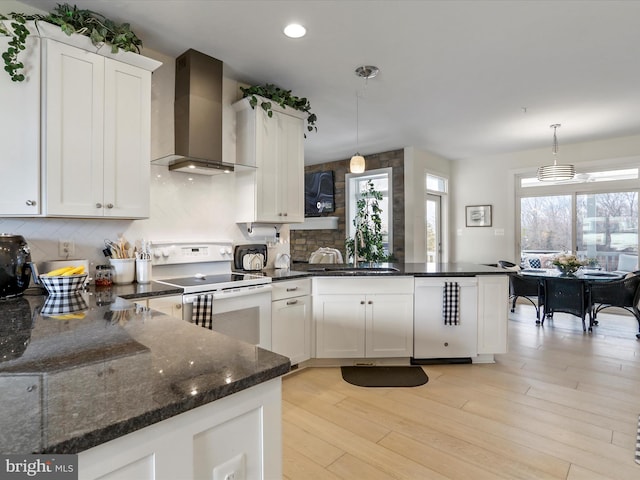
(76, 133)
(20, 135)
(272, 192)
(97, 122)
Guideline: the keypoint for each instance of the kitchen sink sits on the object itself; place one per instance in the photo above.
(354, 270)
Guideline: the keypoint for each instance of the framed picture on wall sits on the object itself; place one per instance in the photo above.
(478, 215)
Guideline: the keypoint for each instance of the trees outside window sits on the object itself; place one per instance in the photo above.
(596, 220)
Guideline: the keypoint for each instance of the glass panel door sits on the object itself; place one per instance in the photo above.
(545, 224)
(433, 234)
(607, 226)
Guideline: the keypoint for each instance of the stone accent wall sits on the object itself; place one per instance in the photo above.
(305, 242)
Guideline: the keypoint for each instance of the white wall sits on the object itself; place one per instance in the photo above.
(417, 163)
(489, 181)
(183, 207)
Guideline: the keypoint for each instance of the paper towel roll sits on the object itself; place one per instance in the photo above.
(262, 232)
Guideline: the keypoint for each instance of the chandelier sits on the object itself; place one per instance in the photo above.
(555, 172)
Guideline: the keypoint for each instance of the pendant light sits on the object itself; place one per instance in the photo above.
(555, 172)
(357, 163)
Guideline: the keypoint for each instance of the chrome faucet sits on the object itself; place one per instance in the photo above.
(355, 245)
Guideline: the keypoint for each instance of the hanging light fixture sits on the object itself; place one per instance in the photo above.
(357, 163)
(555, 172)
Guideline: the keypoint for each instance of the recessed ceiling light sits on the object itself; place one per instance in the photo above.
(295, 30)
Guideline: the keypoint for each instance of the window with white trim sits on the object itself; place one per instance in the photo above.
(594, 216)
(356, 184)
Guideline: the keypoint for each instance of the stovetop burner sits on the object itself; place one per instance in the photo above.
(205, 283)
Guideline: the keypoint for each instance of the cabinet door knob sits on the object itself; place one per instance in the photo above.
(31, 203)
(178, 306)
(285, 214)
(109, 205)
(361, 302)
(98, 205)
(370, 302)
(292, 302)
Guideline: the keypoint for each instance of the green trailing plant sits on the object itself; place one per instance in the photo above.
(282, 98)
(70, 19)
(18, 33)
(368, 224)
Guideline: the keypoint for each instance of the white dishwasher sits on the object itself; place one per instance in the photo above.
(433, 339)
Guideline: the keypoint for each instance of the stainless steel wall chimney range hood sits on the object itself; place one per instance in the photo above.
(197, 116)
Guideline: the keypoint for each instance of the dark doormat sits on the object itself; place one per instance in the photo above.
(384, 376)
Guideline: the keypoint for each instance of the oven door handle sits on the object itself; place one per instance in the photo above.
(241, 292)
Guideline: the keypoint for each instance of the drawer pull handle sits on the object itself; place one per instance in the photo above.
(292, 302)
(292, 289)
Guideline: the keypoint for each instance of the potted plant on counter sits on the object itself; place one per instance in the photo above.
(70, 19)
(281, 97)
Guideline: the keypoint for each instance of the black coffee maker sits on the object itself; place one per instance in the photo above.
(15, 265)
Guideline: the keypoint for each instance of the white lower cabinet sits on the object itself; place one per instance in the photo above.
(239, 436)
(363, 317)
(493, 313)
(291, 319)
(171, 305)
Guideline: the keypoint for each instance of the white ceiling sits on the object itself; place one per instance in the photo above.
(455, 76)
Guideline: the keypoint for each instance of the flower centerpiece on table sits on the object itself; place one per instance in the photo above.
(567, 264)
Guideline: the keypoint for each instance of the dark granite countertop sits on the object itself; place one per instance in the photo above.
(144, 290)
(301, 270)
(69, 382)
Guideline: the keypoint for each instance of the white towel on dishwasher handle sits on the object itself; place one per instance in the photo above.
(203, 311)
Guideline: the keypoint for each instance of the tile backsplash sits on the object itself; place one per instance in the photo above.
(183, 207)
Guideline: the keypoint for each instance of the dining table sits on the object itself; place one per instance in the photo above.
(586, 276)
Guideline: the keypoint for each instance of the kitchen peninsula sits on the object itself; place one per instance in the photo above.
(392, 312)
(135, 391)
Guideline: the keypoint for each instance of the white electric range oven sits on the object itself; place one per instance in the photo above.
(236, 304)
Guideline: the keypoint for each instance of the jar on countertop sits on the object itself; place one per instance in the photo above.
(104, 275)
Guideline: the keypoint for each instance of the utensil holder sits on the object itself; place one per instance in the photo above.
(123, 270)
(143, 271)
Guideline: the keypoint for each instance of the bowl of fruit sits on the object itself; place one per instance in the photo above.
(65, 280)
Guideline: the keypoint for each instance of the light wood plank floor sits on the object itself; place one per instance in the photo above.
(560, 405)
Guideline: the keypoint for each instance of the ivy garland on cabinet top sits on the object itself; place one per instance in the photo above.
(282, 98)
(70, 19)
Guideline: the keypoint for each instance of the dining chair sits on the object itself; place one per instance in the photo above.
(624, 293)
(567, 295)
(528, 288)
